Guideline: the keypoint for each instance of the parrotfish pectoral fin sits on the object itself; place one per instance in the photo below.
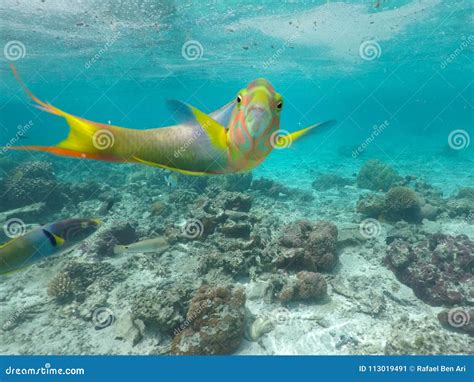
(215, 131)
(81, 138)
(287, 139)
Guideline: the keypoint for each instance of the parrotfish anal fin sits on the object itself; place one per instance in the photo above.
(80, 140)
(287, 139)
(223, 114)
(215, 131)
(184, 172)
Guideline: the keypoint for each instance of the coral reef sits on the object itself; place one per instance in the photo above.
(438, 268)
(306, 246)
(162, 309)
(61, 287)
(401, 203)
(116, 233)
(215, 322)
(306, 286)
(377, 176)
(28, 183)
(409, 336)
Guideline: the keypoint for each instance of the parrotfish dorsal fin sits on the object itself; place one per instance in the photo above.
(215, 131)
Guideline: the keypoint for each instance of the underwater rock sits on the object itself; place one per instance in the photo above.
(423, 336)
(162, 309)
(215, 323)
(27, 213)
(128, 329)
(402, 203)
(269, 187)
(307, 246)
(236, 230)
(75, 277)
(377, 176)
(118, 233)
(306, 286)
(327, 181)
(399, 203)
(238, 182)
(371, 205)
(159, 208)
(438, 268)
(466, 193)
(463, 208)
(460, 319)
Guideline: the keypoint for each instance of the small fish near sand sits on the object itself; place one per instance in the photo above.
(42, 242)
(157, 244)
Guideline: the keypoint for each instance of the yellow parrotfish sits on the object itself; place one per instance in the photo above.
(42, 242)
(235, 138)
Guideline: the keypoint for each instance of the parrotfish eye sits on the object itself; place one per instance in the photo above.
(84, 225)
(280, 105)
(239, 99)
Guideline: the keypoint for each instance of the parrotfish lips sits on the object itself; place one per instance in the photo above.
(258, 118)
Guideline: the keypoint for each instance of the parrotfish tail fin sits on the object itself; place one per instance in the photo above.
(86, 139)
(285, 140)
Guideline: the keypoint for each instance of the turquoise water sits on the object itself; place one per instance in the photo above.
(396, 75)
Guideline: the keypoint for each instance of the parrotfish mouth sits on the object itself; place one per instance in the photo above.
(258, 119)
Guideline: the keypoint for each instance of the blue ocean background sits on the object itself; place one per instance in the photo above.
(138, 64)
